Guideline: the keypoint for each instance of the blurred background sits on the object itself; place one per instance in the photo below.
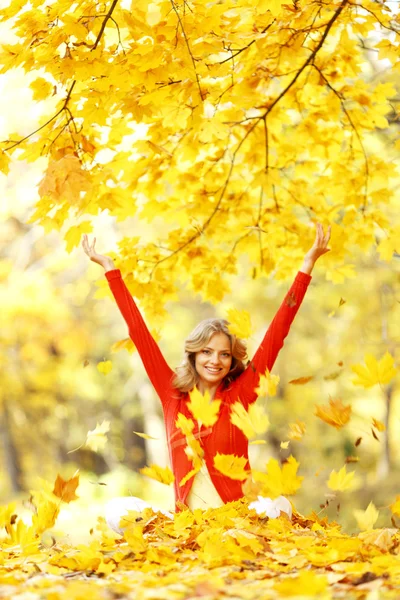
(58, 321)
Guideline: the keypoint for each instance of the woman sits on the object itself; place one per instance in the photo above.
(214, 363)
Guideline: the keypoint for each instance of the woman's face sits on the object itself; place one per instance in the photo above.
(215, 359)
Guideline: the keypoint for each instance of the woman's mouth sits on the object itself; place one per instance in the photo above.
(213, 370)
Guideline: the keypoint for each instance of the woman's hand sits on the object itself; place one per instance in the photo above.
(318, 248)
(105, 261)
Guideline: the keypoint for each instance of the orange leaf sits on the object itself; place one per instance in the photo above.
(301, 380)
(336, 414)
(66, 489)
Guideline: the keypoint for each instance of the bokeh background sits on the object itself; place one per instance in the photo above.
(58, 321)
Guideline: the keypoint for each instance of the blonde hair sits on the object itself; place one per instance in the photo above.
(186, 376)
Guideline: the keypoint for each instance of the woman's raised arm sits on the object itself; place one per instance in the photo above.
(160, 374)
(274, 338)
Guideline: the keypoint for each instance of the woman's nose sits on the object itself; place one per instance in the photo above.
(215, 359)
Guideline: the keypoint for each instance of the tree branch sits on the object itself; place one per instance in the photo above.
(189, 50)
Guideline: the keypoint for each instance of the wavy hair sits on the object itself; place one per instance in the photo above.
(186, 376)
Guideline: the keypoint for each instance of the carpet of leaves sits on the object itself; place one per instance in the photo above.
(229, 552)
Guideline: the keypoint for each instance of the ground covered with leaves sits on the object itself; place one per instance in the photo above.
(229, 552)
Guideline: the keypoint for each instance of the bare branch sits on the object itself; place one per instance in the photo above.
(346, 112)
(188, 47)
(311, 57)
(103, 25)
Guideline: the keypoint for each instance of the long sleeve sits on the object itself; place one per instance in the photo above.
(273, 340)
(157, 369)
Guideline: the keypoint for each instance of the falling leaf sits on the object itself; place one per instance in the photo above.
(267, 384)
(301, 380)
(358, 441)
(231, 465)
(65, 489)
(341, 481)
(125, 344)
(296, 430)
(366, 519)
(291, 300)
(351, 459)
(188, 476)
(252, 422)
(239, 323)
(145, 436)
(342, 301)
(378, 425)
(202, 408)
(279, 480)
(332, 376)
(375, 371)
(104, 367)
(86, 363)
(97, 439)
(374, 435)
(184, 424)
(285, 445)
(161, 474)
(336, 414)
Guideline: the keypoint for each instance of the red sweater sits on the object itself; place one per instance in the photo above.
(223, 437)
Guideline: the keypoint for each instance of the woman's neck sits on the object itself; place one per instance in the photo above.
(204, 386)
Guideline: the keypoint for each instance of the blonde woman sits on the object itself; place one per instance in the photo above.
(214, 361)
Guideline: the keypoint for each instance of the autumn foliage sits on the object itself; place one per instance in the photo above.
(229, 126)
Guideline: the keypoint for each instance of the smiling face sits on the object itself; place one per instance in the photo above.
(214, 361)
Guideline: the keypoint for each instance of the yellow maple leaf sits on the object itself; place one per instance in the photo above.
(366, 519)
(183, 520)
(231, 465)
(64, 180)
(311, 585)
(336, 414)
(133, 535)
(104, 367)
(395, 507)
(267, 384)
(161, 474)
(239, 323)
(252, 422)
(184, 424)
(74, 234)
(285, 445)
(376, 371)
(41, 88)
(202, 408)
(341, 481)
(279, 480)
(97, 438)
(194, 451)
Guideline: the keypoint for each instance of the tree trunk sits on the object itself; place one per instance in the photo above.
(12, 460)
(384, 465)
